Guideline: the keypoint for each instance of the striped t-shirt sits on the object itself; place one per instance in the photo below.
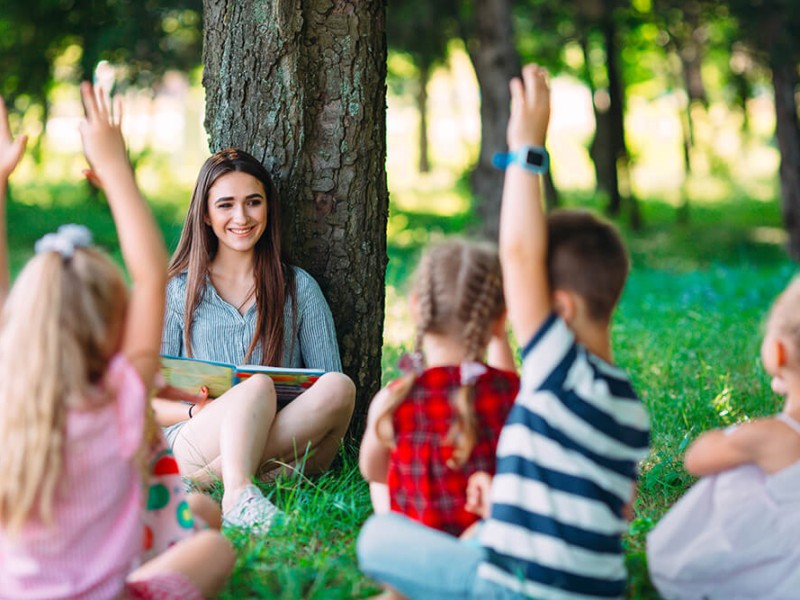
(221, 333)
(567, 461)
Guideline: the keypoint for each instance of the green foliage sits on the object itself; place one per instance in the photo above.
(149, 37)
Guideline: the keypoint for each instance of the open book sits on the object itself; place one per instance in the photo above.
(190, 374)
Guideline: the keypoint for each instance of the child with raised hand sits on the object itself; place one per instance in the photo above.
(568, 453)
(430, 430)
(77, 356)
(734, 534)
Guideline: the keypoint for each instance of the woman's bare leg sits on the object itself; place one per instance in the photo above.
(311, 426)
(206, 559)
(227, 438)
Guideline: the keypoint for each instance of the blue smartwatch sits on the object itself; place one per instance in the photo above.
(533, 158)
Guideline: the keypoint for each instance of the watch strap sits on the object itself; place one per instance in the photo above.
(533, 158)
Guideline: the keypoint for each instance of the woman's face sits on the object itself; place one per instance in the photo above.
(237, 211)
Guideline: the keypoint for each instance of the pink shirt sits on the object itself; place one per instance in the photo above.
(96, 538)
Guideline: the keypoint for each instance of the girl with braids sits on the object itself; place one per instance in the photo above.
(233, 297)
(77, 357)
(430, 430)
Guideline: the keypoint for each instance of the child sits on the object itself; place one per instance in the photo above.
(734, 534)
(428, 431)
(568, 452)
(77, 356)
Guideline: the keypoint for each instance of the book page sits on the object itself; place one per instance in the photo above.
(190, 375)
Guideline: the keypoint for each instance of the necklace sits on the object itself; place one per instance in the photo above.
(247, 298)
(228, 294)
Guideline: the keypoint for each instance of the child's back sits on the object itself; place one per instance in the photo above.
(566, 465)
(423, 483)
(97, 536)
(430, 430)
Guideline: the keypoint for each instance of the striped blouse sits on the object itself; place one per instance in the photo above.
(221, 333)
(567, 461)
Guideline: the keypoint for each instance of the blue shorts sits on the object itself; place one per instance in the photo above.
(420, 562)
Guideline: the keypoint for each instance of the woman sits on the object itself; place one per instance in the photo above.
(232, 297)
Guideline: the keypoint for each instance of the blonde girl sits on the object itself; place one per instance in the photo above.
(77, 356)
(430, 430)
(734, 534)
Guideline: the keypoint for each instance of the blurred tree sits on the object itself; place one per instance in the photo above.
(301, 85)
(487, 29)
(421, 29)
(770, 27)
(148, 37)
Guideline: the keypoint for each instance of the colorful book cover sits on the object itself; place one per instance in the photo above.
(190, 374)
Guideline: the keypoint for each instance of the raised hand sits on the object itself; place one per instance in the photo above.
(10, 149)
(101, 133)
(530, 108)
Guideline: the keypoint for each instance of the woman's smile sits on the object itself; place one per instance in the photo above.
(237, 211)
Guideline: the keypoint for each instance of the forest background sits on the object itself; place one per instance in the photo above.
(678, 119)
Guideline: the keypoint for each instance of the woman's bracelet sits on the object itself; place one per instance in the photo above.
(191, 406)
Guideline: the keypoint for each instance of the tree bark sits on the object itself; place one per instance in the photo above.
(787, 130)
(495, 60)
(301, 85)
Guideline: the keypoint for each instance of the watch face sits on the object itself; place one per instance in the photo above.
(534, 158)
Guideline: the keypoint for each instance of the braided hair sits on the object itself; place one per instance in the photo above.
(459, 291)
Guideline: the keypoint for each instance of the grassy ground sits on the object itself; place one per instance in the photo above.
(688, 331)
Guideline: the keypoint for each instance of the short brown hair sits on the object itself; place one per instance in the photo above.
(586, 255)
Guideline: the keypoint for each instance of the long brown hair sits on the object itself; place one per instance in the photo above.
(459, 291)
(274, 278)
(58, 330)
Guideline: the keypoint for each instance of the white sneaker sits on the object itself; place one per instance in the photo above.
(252, 511)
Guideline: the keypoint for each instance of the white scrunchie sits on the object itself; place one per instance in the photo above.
(65, 240)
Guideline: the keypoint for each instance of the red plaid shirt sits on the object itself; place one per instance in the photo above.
(421, 485)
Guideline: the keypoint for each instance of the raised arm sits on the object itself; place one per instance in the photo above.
(10, 154)
(140, 240)
(523, 226)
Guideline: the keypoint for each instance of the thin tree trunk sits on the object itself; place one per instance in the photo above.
(302, 87)
(422, 108)
(495, 60)
(600, 150)
(787, 130)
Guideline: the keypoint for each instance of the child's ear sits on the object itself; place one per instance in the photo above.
(565, 305)
(781, 354)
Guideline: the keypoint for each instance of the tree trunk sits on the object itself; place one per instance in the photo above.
(301, 85)
(787, 130)
(616, 108)
(495, 60)
(422, 108)
(601, 150)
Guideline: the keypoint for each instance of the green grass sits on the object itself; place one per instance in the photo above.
(688, 331)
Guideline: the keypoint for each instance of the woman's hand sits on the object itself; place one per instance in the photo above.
(10, 149)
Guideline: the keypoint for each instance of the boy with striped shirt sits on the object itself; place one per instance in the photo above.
(567, 456)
